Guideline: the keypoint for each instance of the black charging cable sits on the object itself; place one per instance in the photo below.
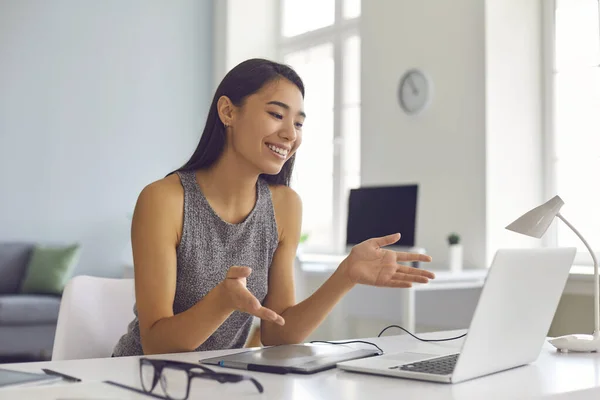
(349, 341)
(385, 329)
(418, 338)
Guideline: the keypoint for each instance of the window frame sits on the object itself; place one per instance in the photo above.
(335, 34)
(550, 239)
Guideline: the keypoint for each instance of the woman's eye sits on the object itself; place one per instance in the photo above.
(299, 125)
(278, 116)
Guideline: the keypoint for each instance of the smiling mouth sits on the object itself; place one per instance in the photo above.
(278, 151)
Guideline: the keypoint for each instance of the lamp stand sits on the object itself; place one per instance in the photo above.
(577, 342)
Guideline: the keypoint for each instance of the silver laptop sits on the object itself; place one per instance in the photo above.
(509, 327)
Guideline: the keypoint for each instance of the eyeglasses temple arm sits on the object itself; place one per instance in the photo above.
(256, 383)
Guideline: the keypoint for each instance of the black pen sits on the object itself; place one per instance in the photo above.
(64, 376)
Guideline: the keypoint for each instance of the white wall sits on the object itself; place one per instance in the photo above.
(97, 100)
(243, 29)
(444, 148)
(514, 111)
(476, 151)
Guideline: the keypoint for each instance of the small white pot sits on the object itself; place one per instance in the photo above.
(455, 257)
(300, 249)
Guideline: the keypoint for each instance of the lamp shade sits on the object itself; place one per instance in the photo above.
(536, 222)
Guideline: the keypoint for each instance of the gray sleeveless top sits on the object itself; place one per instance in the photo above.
(208, 247)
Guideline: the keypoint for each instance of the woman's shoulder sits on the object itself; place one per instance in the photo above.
(163, 192)
(159, 208)
(284, 196)
(288, 209)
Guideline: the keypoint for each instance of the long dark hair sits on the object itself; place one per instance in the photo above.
(245, 79)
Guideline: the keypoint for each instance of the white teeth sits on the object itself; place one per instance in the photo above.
(278, 150)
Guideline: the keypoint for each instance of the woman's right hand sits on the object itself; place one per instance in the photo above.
(241, 299)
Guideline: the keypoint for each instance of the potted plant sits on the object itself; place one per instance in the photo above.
(455, 253)
(303, 239)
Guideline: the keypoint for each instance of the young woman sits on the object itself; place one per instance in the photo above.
(214, 242)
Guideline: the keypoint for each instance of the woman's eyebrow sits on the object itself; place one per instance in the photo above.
(283, 105)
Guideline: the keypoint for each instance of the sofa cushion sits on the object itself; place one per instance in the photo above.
(49, 268)
(21, 309)
(14, 258)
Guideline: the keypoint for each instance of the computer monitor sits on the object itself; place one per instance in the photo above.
(380, 211)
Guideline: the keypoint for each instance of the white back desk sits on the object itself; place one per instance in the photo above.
(553, 375)
(369, 301)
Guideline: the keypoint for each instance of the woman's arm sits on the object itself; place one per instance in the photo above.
(155, 233)
(303, 318)
(367, 264)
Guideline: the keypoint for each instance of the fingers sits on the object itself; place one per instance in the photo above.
(404, 269)
(269, 315)
(414, 271)
(238, 272)
(387, 240)
(402, 257)
(255, 308)
(397, 284)
(401, 276)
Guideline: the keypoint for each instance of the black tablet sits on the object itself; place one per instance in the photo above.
(296, 358)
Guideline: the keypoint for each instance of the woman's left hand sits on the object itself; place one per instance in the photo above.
(369, 264)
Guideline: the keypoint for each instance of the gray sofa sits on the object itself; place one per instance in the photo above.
(27, 321)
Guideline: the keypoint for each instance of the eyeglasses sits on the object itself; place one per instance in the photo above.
(175, 378)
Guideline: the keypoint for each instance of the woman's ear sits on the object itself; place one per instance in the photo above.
(226, 109)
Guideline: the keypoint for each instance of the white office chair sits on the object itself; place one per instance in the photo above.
(94, 313)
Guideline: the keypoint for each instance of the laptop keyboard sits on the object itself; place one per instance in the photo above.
(439, 366)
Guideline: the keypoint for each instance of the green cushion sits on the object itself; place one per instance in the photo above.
(49, 269)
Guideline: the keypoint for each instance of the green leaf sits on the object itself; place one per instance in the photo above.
(453, 238)
(304, 237)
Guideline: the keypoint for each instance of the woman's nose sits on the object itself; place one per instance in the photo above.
(289, 133)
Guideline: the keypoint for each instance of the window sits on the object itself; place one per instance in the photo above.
(320, 40)
(574, 151)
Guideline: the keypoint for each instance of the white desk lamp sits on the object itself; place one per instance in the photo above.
(534, 223)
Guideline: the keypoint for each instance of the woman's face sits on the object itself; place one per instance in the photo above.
(267, 129)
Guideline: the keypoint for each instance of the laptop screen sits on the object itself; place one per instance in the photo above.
(380, 211)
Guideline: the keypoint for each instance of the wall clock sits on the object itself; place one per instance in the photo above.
(414, 91)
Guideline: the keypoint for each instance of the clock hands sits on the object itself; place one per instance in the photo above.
(413, 91)
(412, 85)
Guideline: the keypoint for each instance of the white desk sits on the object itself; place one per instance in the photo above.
(325, 265)
(553, 375)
